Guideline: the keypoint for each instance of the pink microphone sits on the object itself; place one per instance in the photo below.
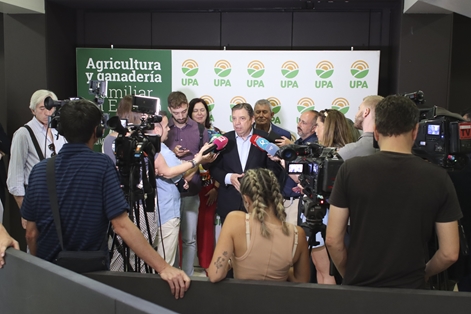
(219, 144)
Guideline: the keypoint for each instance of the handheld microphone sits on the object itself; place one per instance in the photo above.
(219, 143)
(215, 136)
(272, 149)
(259, 142)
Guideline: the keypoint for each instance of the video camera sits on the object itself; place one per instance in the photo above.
(443, 138)
(317, 166)
(135, 151)
(96, 88)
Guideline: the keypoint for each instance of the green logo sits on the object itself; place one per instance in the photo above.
(324, 69)
(359, 69)
(209, 101)
(190, 67)
(290, 69)
(256, 69)
(222, 68)
(305, 104)
(237, 100)
(341, 104)
(275, 104)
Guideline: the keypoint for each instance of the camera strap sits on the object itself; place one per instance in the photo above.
(35, 142)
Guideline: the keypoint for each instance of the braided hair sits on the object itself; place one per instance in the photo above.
(263, 189)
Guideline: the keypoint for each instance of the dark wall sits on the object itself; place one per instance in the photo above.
(425, 56)
(25, 72)
(460, 78)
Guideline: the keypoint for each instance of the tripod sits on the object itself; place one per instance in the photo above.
(138, 184)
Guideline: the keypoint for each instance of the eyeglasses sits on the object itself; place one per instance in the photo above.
(52, 148)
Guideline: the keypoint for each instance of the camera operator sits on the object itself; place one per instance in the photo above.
(89, 197)
(32, 143)
(171, 171)
(390, 229)
(365, 121)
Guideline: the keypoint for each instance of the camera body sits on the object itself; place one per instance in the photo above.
(317, 167)
(443, 138)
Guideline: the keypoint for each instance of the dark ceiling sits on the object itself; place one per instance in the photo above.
(180, 5)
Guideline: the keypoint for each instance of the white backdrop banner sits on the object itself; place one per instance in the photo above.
(293, 81)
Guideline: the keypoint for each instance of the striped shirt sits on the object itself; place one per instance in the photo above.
(88, 194)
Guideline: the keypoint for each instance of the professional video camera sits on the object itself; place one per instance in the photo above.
(97, 88)
(317, 166)
(443, 138)
(135, 152)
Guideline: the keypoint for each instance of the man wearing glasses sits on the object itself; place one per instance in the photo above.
(32, 143)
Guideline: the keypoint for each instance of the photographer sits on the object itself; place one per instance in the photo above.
(32, 143)
(89, 197)
(394, 225)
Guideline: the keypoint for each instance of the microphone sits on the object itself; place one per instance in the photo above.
(272, 149)
(259, 142)
(215, 136)
(219, 143)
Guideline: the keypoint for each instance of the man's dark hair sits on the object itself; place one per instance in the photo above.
(396, 115)
(176, 100)
(193, 102)
(78, 120)
(245, 106)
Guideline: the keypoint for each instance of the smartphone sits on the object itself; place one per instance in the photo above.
(182, 148)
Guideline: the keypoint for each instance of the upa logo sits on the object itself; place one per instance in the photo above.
(222, 68)
(234, 101)
(190, 69)
(305, 104)
(359, 70)
(324, 70)
(289, 70)
(275, 108)
(210, 102)
(256, 69)
(341, 104)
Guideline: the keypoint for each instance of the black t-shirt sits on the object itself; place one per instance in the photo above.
(394, 201)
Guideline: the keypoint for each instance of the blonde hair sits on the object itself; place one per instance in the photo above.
(337, 132)
(263, 189)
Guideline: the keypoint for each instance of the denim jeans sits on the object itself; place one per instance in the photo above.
(189, 219)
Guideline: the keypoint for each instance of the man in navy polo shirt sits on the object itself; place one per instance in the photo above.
(89, 197)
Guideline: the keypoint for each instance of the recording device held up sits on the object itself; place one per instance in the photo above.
(443, 138)
(317, 167)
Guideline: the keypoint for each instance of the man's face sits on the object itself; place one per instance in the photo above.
(263, 114)
(162, 129)
(41, 113)
(242, 122)
(359, 117)
(180, 114)
(306, 125)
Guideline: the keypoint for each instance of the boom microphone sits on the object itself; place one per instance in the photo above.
(219, 143)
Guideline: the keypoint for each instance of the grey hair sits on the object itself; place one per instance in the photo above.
(263, 102)
(39, 96)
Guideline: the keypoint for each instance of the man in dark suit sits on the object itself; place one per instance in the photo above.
(263, 117)
(239, 156)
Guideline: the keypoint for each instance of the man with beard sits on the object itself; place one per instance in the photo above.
(185, 139)
(364, 120)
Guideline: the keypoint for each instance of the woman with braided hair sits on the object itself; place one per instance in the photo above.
(260, 244)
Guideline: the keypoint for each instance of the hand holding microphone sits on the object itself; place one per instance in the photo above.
(264, 145)
(218, 144)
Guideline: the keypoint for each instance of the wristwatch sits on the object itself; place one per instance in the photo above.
(193, 163)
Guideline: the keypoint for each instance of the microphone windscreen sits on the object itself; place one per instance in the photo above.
(272, 149)
(220, 142)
